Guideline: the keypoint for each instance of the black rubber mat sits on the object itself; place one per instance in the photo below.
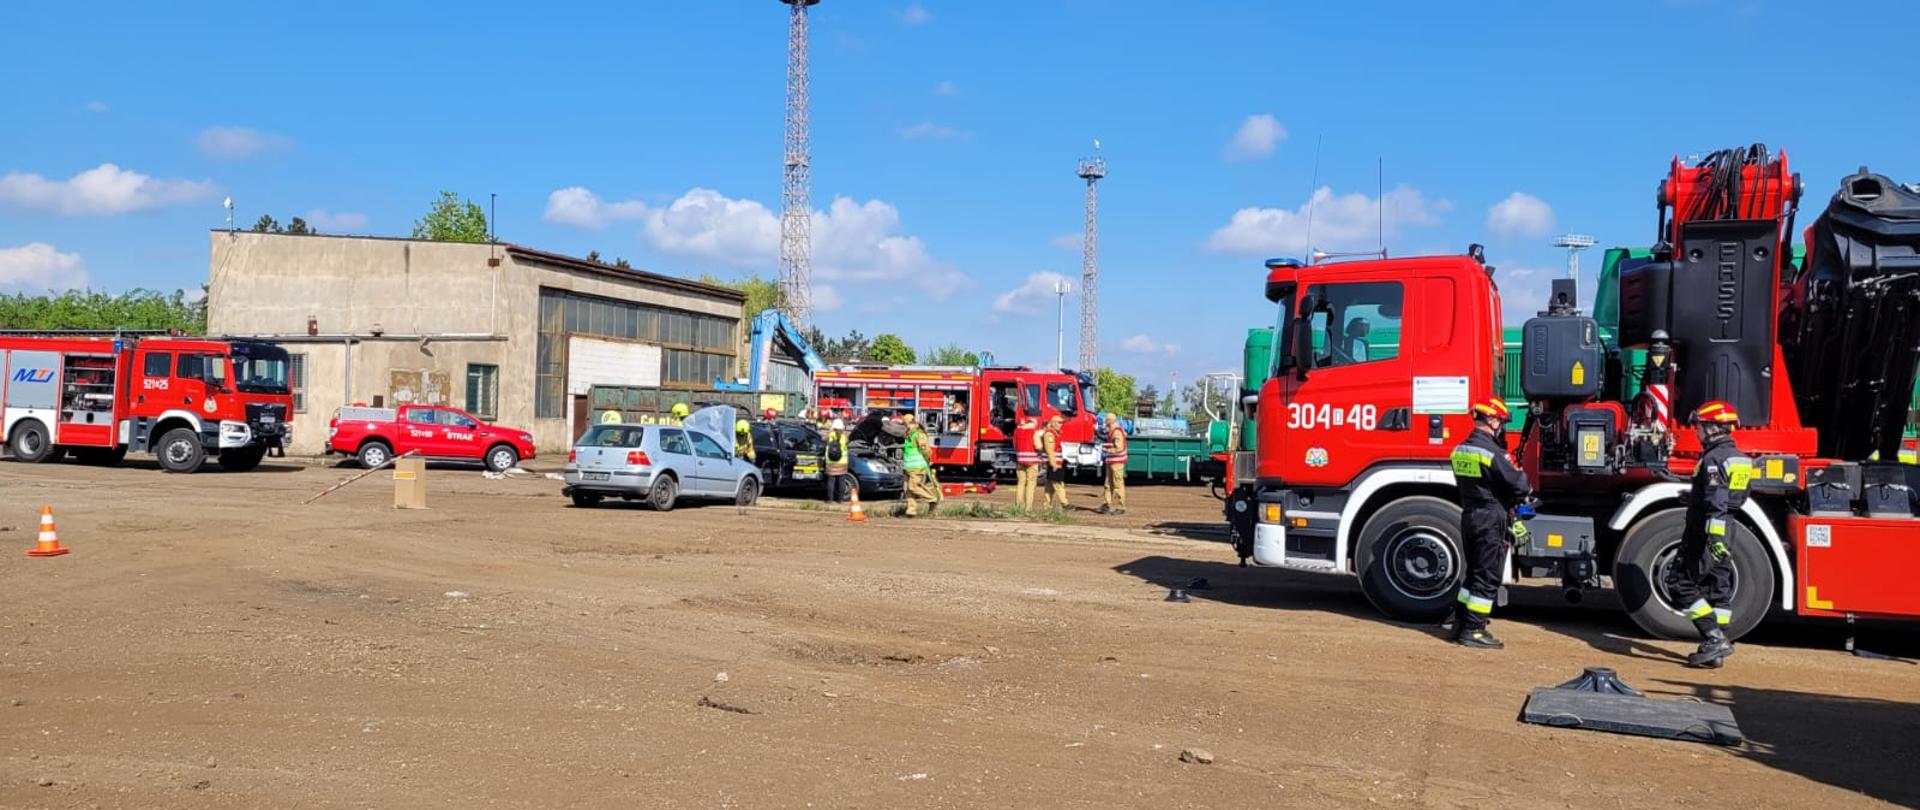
(1628, 714)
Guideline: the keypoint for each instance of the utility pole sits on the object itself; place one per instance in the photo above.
(796, 187)
(1061, 288)
(1090, 170)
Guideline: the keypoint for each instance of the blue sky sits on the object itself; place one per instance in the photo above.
(945, 135)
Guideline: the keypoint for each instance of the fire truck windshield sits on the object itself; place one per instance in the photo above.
(260, 368)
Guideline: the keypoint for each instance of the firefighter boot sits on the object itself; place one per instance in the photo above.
(1480, 639)
(1713, 650)
(1455, 624)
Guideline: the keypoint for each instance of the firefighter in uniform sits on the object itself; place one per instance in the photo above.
(1489, 485)
(915, 455)
(680, 412)
(1026, 454)
(1056, 464)
(1114, 455)
(1704, 579)
(837, 462)
(743, 439)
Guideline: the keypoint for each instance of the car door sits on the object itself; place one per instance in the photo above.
(676, 456)
(807, 449)
(460, 433)
(713, 464)
(419, 430)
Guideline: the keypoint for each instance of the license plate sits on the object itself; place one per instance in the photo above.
(268, 420)
(590, 476)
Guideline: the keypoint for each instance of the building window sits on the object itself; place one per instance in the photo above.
(297, 380)
(483, 390)
(698, 348)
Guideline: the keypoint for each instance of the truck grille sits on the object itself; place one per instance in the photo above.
(265, 419)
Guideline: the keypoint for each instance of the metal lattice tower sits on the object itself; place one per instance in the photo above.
(1091, 170)
(796, 187)
(1574, 243)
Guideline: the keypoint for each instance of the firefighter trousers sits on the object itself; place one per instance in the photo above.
(1115, 496)
(919, 491)
(1702, 580)
(839, 483)
(1484, 531)
(1026, 480)
(1056, 487)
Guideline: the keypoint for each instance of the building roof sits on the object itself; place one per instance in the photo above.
(625, 273)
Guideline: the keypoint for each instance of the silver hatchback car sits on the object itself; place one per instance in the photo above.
(660, 464)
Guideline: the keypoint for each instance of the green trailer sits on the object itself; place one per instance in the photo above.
(1165, 458)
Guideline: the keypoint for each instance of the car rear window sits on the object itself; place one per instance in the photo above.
(613, 436)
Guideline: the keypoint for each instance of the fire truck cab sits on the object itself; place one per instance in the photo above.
(96, 397)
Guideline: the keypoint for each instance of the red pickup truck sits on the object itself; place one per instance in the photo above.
(374, 435)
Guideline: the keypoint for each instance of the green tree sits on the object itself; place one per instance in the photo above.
(76, 309)
(848, 349)
(950, 355)
(1114, 392)
(889, 349)
(452, 219)
(593, 256)
(266, 224)
(762, 294)
(299, 225)
(622, 263)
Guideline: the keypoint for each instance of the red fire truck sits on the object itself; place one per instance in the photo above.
(1378, 361)
(98, 395)
(969, 412)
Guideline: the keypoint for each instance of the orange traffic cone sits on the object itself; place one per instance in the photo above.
(49, 538)
(855, 512)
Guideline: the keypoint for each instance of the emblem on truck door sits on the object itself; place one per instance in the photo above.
(1316, 456)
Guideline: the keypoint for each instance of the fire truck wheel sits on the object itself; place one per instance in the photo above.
(1410, 560)
(30, 442)
(179, 451)
(501, 458)
(665, 491)
(1647, 560)
(374, 454)
(242, 459)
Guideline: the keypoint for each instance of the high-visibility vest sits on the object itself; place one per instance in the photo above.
(837, 467)
(1115, 448)
(1024, 449)
(911, 457)
(1050, 445)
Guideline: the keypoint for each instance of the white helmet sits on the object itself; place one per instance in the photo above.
(839, 424)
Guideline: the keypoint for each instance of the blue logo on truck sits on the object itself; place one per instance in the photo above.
(33, 375)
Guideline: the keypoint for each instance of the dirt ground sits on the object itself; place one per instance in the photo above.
(213, 643)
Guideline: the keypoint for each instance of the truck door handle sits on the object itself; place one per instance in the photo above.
(1397, 419)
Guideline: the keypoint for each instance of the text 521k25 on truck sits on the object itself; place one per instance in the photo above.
(96, 396)
(1377, 361)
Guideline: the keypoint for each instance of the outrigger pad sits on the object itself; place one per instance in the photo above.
(1595, 701)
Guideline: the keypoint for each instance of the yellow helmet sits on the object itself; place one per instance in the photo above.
(742, 426)
(681, 410)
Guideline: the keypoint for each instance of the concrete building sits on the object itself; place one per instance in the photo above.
(510, 334)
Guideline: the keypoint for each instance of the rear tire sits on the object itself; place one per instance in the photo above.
(1411, 558)
(586, 500)
(242, 459)
(31, 443)
(1646, 555)
(663, 494)
(179, 451)
(501, 458)
(749, 493)
(374, 454)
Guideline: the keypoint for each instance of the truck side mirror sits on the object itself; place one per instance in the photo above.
(1300, 338)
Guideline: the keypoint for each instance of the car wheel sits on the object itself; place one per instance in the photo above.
(242, 459)
(502, 458)
(665, 491)
(749, 493)
(180, 451)
(374, 454)
(1410, 558)
(585, 500)
(31, 443)
(1648, 558)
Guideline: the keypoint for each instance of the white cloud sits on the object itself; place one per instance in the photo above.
(1073, 242)
(853, 242)
(928, 130)
(1348, 220)
(102, 190)
(1032, 297)
(1141, 344)
(1523, 291)
(98, 106)
(582, 208)
(342, 222)
(916, 14)
(239, 143)
(1520, 214)
(38, 267)
(826, 297)
(946, 88)
(1256, 138)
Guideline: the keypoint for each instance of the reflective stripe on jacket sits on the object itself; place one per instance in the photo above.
(1024, 449)
(1115, 448)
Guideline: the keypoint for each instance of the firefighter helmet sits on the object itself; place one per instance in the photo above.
(680, 410)
(742, 426)
(769, 414)
(1716, 412)
(1493, 407)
